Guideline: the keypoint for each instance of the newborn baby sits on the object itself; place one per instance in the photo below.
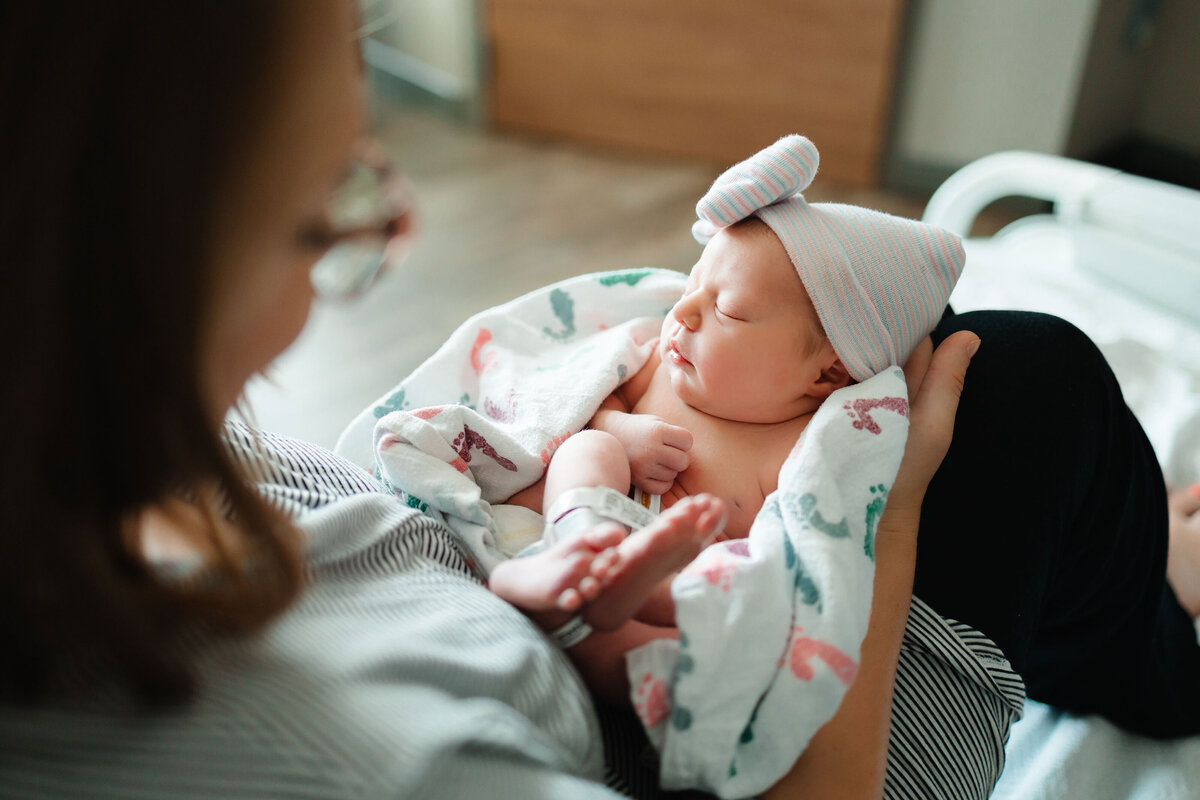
(788, 303)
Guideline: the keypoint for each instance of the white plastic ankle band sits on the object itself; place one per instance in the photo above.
(606, 502)
(571, 632)
(602, 503)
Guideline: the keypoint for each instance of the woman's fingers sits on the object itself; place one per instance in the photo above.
(936, 399)
(1184, 501)
(917, 365)
(931, 419)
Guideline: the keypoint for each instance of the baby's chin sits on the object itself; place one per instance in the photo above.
(685, 388)
(679, 379)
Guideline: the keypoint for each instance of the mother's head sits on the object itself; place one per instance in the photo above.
(165, 169)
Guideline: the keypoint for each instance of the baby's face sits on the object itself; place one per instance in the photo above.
(744, 342)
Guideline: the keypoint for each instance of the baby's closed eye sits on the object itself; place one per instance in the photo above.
(730, 313)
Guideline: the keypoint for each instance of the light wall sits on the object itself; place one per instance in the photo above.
(1057, 77)
(438, 43)
(983, 76)
(978, 75)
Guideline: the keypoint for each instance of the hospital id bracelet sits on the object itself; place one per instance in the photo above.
(571, 632)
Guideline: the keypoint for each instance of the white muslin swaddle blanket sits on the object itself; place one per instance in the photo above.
(770, 626)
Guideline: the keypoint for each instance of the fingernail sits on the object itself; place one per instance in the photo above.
(973, 348)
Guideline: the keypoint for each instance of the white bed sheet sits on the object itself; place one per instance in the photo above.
(1156, 357)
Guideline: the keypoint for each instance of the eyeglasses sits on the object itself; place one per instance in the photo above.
(371, 219)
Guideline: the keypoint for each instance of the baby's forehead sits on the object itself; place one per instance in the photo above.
(756, 254)
(752, 239)
(757, 272)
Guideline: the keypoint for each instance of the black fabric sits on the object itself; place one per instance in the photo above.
(631, 762)
(1046, 529)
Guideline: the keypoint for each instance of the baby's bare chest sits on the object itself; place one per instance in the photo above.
(728, 459)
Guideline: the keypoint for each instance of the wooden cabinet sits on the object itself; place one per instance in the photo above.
(711, 79)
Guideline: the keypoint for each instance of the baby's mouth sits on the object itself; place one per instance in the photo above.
(676, 356)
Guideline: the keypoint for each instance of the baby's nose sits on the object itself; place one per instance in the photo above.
(687, 312)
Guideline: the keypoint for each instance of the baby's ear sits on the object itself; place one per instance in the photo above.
(834, 376)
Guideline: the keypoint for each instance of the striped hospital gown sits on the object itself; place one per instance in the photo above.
(398, 675)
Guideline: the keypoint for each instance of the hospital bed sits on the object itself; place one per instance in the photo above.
(1119, 256)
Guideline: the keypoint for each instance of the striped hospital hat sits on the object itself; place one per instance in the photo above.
(879, 283)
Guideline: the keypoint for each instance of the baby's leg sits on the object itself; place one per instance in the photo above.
(659, 608)
(560, 578)
(530, 497)
(606, 573)
(589, 458)
(600, 658)
(566, 574)
(617, 582)
(647, 558)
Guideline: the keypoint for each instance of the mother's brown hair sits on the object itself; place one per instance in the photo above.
(120, 120)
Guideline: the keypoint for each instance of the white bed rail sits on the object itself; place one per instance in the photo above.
(1139, 234)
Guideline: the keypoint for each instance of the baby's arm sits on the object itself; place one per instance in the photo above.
(657, 450)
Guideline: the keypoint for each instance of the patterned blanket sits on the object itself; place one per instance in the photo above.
(770, 626)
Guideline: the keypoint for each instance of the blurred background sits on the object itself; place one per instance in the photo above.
(548, 138)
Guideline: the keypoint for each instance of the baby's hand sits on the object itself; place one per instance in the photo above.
(657, 450)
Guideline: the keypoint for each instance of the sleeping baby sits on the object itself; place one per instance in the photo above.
(789, 302)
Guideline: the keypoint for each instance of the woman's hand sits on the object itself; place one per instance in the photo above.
(935, 383)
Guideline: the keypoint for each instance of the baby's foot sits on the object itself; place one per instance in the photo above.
(649, 556)
(561, 578)
(1183, 553)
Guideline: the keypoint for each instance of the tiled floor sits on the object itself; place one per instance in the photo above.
(499, 215)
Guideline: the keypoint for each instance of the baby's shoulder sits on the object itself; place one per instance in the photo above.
(633, 390)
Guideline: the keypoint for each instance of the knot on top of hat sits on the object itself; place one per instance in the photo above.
(779, 172)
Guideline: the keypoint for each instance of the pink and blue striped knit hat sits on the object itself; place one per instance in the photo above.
(879, 283)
